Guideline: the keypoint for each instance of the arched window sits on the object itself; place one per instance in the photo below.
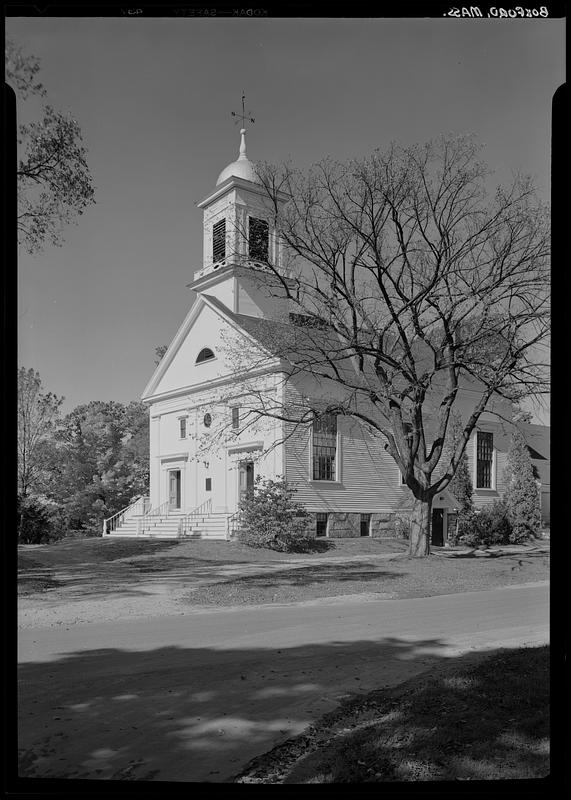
(205, 355)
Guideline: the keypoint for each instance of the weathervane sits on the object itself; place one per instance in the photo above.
(243, 116)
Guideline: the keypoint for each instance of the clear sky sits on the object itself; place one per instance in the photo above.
(153, 98)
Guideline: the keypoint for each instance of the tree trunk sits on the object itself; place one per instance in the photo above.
(419, 545)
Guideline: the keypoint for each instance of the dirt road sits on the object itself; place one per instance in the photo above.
(194, 696)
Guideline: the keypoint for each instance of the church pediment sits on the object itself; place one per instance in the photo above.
(203, 351)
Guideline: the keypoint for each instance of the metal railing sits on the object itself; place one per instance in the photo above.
(200, 511)
(232, 524)
(152, 515)
(112, 523)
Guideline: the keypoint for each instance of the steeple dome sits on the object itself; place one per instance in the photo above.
(242, 167)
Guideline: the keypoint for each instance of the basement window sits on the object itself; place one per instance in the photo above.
(321, 525)
(365, 524)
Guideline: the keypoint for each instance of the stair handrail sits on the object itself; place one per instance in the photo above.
(111, 523)
(199, 511)
(231, 524)
(158, 511)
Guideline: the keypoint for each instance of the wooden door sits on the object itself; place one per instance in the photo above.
(174, 489)
(246, 478)
(438, 527)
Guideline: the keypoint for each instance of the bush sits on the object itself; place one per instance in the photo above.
(35, 522)
(402, 528)
(270, 518)
(490, 526)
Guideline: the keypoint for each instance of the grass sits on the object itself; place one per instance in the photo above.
(476, 718)
(400, 577)
(220, 573)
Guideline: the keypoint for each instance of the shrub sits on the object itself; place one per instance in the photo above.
(522, 496)
(402, 528)
(490, 526)
(271, 518)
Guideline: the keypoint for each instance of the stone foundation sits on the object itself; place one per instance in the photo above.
(344, 526)
(347, 525)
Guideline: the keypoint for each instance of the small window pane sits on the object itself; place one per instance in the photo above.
(258, 235)
(208, 484)
(235, 417)
(182, 428)
(219, 241)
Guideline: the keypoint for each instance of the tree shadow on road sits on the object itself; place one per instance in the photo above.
(196, 714)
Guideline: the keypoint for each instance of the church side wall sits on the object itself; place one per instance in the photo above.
(368, 478)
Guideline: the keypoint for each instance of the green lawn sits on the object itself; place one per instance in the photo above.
(473, 718)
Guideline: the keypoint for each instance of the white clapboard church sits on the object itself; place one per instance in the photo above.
(205, 450)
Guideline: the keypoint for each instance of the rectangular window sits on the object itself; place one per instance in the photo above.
(324, 447)
(258, 236)
(219, 241)
(365, 524)
(208, 484)
(484, 459)
(182, 424)
(321, 525)
(235, 417)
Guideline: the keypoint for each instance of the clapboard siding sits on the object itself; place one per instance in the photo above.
(369, 478)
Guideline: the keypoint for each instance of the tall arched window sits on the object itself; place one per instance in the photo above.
(205, 355)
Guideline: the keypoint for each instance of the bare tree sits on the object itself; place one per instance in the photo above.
(411, 279)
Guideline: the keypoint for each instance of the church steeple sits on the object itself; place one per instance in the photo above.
(240, 239)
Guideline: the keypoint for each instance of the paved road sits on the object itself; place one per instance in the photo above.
(193, 697)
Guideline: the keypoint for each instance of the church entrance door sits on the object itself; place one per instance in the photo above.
(174, 489)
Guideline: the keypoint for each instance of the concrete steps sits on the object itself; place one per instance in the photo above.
(208, 526)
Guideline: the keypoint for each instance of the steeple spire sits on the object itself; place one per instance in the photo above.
(242, 155)
(242, 167)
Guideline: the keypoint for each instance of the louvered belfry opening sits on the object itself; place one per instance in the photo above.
(258, 238)
(219, 240)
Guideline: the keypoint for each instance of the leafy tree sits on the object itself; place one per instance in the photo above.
(159, 353)
(103, 461)
(420, 281)
(37, 415)
(522, 497)
(54, 181)
(271, 518)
